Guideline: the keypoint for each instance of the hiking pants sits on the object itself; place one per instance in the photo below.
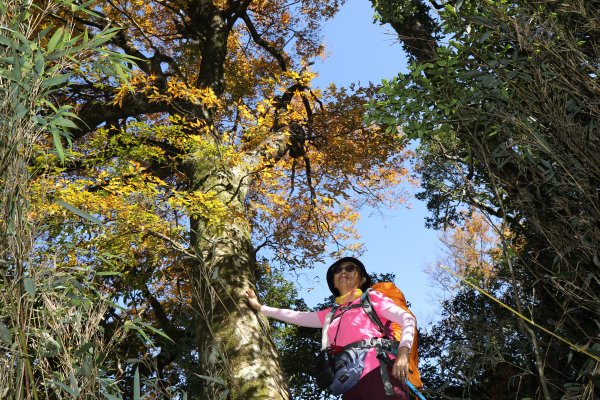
(370, 387)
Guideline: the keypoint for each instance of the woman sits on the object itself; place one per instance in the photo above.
(347, 278)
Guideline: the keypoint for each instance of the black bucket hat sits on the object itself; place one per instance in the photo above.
(355, 261)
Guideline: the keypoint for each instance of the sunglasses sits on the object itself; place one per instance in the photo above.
(348, 268)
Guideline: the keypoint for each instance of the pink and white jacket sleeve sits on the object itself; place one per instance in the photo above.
(301, 318)
(406, 321)
(389, 310)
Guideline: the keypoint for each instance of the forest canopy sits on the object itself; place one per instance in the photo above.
(158, 158)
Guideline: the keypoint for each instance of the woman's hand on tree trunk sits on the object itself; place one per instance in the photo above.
(253, 299)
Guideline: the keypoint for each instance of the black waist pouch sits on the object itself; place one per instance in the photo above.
(324, 369)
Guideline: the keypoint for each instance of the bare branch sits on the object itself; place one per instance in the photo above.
(263, 43)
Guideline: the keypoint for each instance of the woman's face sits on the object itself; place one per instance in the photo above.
(346, 277)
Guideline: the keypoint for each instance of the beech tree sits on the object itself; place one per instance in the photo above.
(218, 147)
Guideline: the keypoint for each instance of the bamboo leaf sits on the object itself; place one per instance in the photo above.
(212, 379)
(86, 6)
(58, 145)
(25, 43)
(39, 63)
(153, 329)
(58, 34)
(5, 334)
(73, 382)
(20, 110)
(66, 388)
(595, 349)
(486, 35)
(55, 80)
(136, 384)
(85, 348)
(43, 33)
(29, 286)
(108, 273)
(79, 212)
(450, 8)
(16, 72)
(64, 122)
(132, 325)
(6, 41)
(105, 36)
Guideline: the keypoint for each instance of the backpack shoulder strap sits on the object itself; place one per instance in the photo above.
(384, 361)
(326, 322)
(367, 305)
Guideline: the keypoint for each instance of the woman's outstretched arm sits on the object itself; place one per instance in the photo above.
(301, 318)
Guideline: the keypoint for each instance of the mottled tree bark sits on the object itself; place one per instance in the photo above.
(416, 29)
(233, 340)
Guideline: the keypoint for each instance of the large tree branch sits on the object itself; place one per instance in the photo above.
(263, 43)
(93, 114)
(174, 244)
(235, 10)
(212, 30)
(277, 144)
(207, 25)
(161, 316)
(417, 31)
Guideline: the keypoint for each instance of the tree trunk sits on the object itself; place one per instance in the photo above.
(234, 344)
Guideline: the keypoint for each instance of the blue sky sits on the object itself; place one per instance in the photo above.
(361, 51)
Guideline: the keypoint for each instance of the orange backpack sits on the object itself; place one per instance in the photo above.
(390, 290)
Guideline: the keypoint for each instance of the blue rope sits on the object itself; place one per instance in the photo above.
(414, 389)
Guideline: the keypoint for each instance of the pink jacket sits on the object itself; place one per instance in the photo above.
(354, 325)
